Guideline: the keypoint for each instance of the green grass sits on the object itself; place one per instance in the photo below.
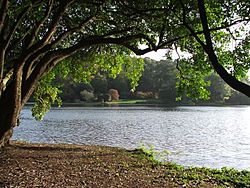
(125, 101)
(196, 176)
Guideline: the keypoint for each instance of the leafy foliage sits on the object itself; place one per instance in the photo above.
(90, 37)
(157, 84)
(84, 68)
(45, 95)
(87, 96)
(192, 84)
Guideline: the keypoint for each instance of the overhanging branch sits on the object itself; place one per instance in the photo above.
(16, 25)
(40, 23)
(228, 78)
(3, 12)
(50, 59)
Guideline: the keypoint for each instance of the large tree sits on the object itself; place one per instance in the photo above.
(35, 35)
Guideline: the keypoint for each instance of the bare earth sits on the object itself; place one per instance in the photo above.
(47, 165)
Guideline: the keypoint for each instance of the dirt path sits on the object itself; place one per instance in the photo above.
(47, 165)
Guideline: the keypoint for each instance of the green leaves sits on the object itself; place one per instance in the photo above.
(82, 68)
(133, 70)
(162, 23)
(45, 95)
(192, 73)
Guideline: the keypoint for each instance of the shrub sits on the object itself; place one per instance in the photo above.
(87, 96)
(145, 95)
(114, 94)
(107, 97)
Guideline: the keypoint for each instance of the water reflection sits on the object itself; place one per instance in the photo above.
(200, 136)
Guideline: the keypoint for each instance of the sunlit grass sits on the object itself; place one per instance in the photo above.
(195, 176)
(125, 101)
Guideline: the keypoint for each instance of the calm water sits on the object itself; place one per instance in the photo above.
(199, 136)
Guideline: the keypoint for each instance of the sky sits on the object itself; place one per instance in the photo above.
(159, 55)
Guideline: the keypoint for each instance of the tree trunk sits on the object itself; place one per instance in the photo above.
(10, 106)
(9, 118)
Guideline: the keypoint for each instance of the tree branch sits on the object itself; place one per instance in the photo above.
(68, 32)
(228, 78)
(3, 12)
(48, 36)
(197, 33)
(7, 78)
(123, 41)
(117, 32)
(55, 20)
(50, 59)
(204, 21)
(14, 43)
(16, 25)
(40, 23)
(47, 63)
(137, 50)
(184, 21)
(30, 62)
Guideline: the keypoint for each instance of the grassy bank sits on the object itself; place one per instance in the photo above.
(61, 165)
(197, 176)
(129, 102)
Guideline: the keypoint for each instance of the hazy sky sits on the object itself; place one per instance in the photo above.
(159, 55)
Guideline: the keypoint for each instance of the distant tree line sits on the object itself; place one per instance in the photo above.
(157, 83)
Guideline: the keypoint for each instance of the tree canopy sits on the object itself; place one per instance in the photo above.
(90, 36)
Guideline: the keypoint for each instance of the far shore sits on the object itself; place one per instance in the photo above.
(149, 103)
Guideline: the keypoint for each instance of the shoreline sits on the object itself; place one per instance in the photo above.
(149, 104)
(58, 165)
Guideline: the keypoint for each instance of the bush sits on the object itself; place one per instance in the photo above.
(107, 97)
(87, 96)
(114, 94)
(168, 95)
(145, 95)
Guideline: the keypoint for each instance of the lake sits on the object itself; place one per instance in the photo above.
(199, 136)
